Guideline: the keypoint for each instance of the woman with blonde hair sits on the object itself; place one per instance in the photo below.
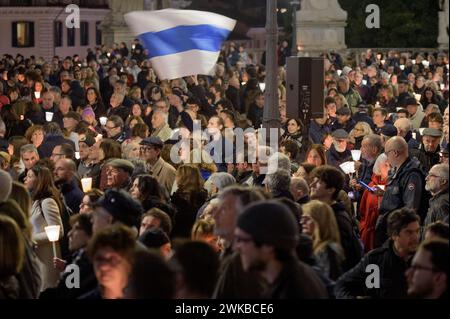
(358, 133)
(188, 198)
(319, 222)
(203, 230)
(341, 101)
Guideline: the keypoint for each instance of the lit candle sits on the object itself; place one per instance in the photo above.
(53, 236)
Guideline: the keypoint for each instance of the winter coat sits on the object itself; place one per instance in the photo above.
(233, 282)
(73, 195)
(439, 208)
(392, 276)
(335, 159)
(297, 280)
(187, 206)
(317, 132)
(368, 209)
(44, 213)
(30, 277)
(349, 240)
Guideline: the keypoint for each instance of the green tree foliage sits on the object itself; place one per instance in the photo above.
(403, 24)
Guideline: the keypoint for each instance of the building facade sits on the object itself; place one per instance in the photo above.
(40, 28)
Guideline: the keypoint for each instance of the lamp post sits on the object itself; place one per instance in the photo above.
(271, 118)
(295, 4)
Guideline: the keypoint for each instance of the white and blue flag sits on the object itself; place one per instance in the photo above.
(181, 42)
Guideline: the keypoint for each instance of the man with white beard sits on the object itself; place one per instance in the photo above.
(436, 183)
(338, 152)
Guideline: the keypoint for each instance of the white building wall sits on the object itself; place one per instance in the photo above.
(43, 18)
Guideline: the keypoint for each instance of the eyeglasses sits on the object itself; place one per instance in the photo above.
(110, 127)
(387, 152)
(418, 267)
(145, 149)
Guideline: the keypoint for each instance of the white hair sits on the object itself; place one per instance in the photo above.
(403, 124)
(165, 116)
(381, 159)
(442, 170)
(279, 161)
(278, 181)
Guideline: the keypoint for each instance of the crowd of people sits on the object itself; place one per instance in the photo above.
(107, 151)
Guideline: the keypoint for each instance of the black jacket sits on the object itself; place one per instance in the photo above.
(412, 143)
(335, 159)
(121, 111)
(73, 195)
(392, 281)
(255, 114)
(88, 280)
(233, 282)
(317, 132)
(427, 159)
(297, 280)
(187, 206)
(406, 188)
(349, 236)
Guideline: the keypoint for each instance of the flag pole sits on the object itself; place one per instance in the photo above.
(271, 118)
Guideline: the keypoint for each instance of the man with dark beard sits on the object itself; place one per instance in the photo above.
(266, 236)
(428, 275)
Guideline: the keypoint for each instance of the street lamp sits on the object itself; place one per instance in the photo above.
(295, 4)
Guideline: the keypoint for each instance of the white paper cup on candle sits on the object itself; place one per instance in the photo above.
(399, 108)
(402, 67)
(103, 120)
(442, 86)
(364, 82)
(418, 97)
(77, 155)
(86, 183)
(48, 116)
(356, 155)
(413, 61)
(52, 233)
(421, 130)
(339, 72)
(37, 94)
(382, 187)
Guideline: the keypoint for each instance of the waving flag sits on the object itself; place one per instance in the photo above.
(181, 42)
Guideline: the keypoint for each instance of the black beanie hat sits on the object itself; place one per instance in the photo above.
(270, 223)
